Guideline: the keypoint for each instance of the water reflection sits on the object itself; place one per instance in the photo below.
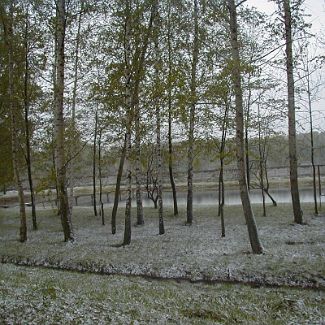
(209, 198)
(232, 197)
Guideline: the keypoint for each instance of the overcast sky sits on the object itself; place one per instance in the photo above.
(315, 8)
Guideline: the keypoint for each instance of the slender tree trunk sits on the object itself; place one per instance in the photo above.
(247, 125)
(54, 74)
(221, 185)
(100, 177)
(312, 151)
(222, 198)
(190, 154)
(270, 196)
(292, 116)
(131, 100)
(118, 186)
(158, 143)
(127, 223)
(240, 147)
(54, 169)
(94, 164)
(247, 142)
(14, 129)
(128, 106)
(71, 169)
(170, 160)
(159, 171)
(140, 220)
(267, 186)
(170, 135)
(27, 126)
(319, 187)
(59, 125)
(261, 160)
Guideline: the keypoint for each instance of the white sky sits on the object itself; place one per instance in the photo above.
(316, 10)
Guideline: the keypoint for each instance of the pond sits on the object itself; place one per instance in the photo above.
(232, 197)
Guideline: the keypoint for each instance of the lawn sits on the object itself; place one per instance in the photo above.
(215, 280)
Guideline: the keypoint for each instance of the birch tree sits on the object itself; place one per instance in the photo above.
(291, 115)
(71, 169)
(133, 77)
(27, 46)
(7, 19)
(240, 146)
(158, 132)
(193, 99)
(128, 108)
(170, 115)
(59, 126)
(310, 86)
(94, 195)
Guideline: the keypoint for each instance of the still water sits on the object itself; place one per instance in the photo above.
(280, 195)
(232, 197)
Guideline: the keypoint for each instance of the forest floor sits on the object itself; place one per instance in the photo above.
(190, 275)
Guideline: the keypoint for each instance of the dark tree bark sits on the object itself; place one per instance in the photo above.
(71, 170)
(128, 107)
(127, 221)
(170, 135)
(190, 153)
(132, 99)
(247, 141)
(291, 116)
(94, 164)
(221, 185)
(27, 125)
(261, 160)
(8, 37)
(240, 147)
(140, 67)
(158, 142)
(152, 181)
(140, 220)
(65, 212)
(312, 147)
(118, 187)
(159, 171)
(101, 204)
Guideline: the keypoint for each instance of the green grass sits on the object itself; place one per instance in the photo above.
(42, 296)
(48, 296)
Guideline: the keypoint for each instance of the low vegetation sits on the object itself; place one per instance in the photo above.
(217, 279)
(42, 296)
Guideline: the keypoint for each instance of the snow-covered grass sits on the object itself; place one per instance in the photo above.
(42, 296)
(294, 256)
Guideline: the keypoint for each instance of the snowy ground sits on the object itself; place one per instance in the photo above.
(294, 256)
(43, 296)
